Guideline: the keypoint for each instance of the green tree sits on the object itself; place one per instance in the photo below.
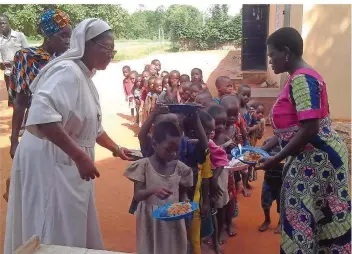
(182, 22)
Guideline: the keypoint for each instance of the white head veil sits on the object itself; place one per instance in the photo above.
(85, 31)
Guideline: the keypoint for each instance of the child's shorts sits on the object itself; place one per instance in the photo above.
(269, 194)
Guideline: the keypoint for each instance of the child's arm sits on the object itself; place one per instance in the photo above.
(141, 193)
(153, 102)
(125, 88)
(271, 143)
(144, 131)
(202, 137)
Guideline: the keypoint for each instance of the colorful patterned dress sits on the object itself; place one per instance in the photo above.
(315, 195)
(27, 64)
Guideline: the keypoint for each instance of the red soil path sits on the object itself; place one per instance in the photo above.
(114, 192)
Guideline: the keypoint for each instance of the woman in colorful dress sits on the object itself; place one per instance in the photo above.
(315, 196)
(55, 26)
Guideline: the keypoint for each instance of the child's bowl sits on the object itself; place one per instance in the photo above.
(186, 109)
(236, 153)
(161, 213)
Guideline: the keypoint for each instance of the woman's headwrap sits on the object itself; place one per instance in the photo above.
(85, 31)
(52, 21)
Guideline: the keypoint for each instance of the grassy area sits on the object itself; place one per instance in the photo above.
(131, 49)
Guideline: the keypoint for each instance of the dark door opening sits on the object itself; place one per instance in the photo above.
(255, 25)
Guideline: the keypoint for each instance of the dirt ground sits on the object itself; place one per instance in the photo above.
(113, 191)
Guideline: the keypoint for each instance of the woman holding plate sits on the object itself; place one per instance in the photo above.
(315, 195)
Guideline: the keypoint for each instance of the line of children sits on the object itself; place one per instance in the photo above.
(206, 140)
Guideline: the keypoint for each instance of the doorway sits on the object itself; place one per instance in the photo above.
(255, 25)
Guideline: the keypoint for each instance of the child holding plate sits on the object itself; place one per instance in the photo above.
(158, 180)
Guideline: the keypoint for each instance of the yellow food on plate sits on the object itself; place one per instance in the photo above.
(179, 209)
(252, 156)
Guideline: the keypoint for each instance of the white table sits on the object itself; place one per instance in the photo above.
(54, 249)
(33, 246)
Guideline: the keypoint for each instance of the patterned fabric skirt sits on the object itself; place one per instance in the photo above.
(315, 205)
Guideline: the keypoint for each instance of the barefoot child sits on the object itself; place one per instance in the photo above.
(225, 205)
(127, 84)
(126, 70)
(224, 86)
(136, 91)
(195, 154)
(197, 75)
(145, 77)
(205, 99)
(165, 82)
(184, 78)
(271, 187)
(153, 71)
(148, 100)
(158, 88)
(132, 76)
(160, 179)
(195, 89)
(234, 130)
(164, 73)
(185, 92)
(157, 64)
(171, 95)
(258, 111)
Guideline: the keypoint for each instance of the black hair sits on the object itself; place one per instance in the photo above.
(134, 72)
(197, 69)
(162, 129)
(287, 37)
(186, 76)
(166, 76)
(147, 71)
(243, 86)
(187, 84)
(3, 15)
(205, 119)
(165, 72)
(146, 67)
(188, 123)
(256, 105)
(175, 71)
(152, 62)
(126, 67)
(198, 85)
(221, 78)
(216, 110)
(150, 79)
(229, 99)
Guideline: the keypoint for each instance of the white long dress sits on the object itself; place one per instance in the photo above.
(47, 196)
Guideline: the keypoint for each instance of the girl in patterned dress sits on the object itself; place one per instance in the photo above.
(158, 180)
(315, 196)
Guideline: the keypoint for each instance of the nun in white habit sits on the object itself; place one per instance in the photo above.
(51, 191)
